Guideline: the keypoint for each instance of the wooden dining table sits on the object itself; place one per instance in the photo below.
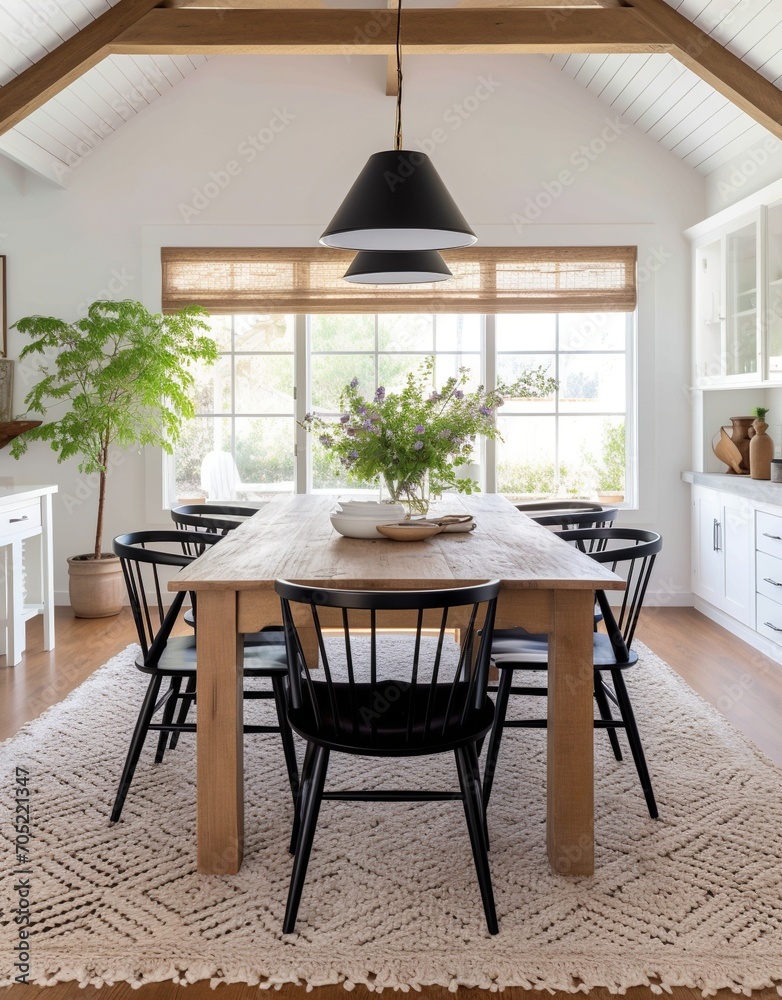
(547, 586)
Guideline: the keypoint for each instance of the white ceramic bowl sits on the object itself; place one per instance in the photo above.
(358, 527)
(370, 508)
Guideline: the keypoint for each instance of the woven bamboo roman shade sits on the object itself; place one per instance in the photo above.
(486, 280)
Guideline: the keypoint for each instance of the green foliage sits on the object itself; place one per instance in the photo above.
(404, 436)
(124, 374)
(540, 480)
(611, 467)
(760, 412)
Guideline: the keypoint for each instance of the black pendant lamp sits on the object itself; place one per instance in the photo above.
(397, 267)
(398, 201)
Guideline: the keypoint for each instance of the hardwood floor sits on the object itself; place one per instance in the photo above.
(742, 683)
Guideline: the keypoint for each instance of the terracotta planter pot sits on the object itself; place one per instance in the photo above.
(96, 586)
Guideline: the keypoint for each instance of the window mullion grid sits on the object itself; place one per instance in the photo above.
(489, 378)
(302, 462)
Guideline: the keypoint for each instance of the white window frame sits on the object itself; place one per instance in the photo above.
(487, 452)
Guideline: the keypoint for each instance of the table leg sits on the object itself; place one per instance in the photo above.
(570, 790)
(220, 735)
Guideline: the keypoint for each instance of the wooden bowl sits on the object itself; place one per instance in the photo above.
(409, 531)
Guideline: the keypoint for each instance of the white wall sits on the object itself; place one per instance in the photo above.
(522, 124)
(749, 171)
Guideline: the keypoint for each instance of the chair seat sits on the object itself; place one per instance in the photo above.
(374, 719)
(525, 651)
(179, 659)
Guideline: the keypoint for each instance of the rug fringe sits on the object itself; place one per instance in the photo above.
(553, 974)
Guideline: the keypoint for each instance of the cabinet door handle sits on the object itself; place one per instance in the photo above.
(13, 520)
(718, 526)
(767, 579)
(777, 538)
(714, 535)
(769, 625)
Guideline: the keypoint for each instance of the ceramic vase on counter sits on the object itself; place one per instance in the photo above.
(761, 451)
(733, 448)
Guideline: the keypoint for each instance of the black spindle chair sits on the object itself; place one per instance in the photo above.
(567, 515)
(379, 708)
(630, 552)
(173, 659)
(217, 517)
(221, 519)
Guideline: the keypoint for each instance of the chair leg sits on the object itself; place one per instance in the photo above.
(473, 811)
(188, 696)
(168, 718)
(309, 821)
(286, 734)
(298, 804)
(475, 768)
(500, 711)
(136, 745)
(605, 714)
(634, 739)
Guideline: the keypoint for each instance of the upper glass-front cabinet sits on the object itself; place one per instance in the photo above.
(728, 306)
(741, 302)
(772, 311)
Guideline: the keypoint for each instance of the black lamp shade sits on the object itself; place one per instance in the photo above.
(397, 267)
(398, 202)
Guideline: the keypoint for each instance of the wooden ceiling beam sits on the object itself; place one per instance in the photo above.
(51, 74)
(715, 64)
(433, 31)
(300, 4)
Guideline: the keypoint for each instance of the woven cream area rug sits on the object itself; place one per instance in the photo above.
(391, 899)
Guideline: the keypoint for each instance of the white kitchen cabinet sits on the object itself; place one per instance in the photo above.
(723, 557)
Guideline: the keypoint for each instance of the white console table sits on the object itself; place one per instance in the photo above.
(26, 557)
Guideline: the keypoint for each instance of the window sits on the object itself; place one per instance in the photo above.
(292, 334)
(274, 368)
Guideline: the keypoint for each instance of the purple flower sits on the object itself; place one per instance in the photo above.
(308, 417)
(486, 411)
(418, 446)
(380, 393)
(458, 394)
(362, 409)
(353, 383)
(351, 432)
(325, 439)
(367, 425)
(434, 397)
(344, 418)
(419, 429)
(353, 454)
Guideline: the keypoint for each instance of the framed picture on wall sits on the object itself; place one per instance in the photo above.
(3, 321)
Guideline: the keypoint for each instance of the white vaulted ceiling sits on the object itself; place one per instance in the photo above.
(69, 126)
(673, 105)
(654, 92)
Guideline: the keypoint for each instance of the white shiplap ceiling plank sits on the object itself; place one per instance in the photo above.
(754, 136)
(622, 78)
(694, 152)
(26, 43)
(93, 106)
(667, 74)
(698, 116)
(29, 154)
(726, 120)
(52, 147)
(54, 15)
(591, 66)
(605, 73)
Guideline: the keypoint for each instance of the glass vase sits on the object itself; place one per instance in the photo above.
(412, 493)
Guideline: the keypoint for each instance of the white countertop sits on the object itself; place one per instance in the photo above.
(12, 494)
(753, 489)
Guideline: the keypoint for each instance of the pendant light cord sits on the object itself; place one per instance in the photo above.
(398, 122)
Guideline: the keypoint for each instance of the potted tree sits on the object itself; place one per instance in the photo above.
(126, 375)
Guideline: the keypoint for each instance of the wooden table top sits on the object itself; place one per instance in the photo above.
(292, 538)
